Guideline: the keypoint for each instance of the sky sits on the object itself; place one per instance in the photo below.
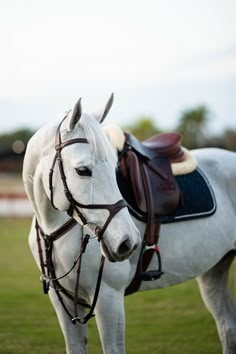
(159, 57)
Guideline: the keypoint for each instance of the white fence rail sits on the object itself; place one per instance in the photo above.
(15, 207)
(13, 200)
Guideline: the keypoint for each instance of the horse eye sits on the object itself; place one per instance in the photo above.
(83, 171)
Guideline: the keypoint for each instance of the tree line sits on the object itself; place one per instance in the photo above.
(193, 125)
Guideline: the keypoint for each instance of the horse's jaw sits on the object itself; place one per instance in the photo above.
(106, 252)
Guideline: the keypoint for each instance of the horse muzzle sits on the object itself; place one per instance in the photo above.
(122, 251)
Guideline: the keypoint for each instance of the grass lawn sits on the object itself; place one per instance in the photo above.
(169, 321)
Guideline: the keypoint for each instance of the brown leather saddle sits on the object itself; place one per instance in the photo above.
(151, 190)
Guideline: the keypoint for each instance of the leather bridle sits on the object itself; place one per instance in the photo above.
(74, 204)
(48, 276)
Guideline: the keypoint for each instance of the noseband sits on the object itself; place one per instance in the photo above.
(74, 206)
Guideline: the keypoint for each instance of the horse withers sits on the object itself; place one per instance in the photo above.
(80, 218)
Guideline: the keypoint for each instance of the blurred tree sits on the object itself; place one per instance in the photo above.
(7, 139)
(12, 150)
(229, 138)
(143, 128)
(192, 126)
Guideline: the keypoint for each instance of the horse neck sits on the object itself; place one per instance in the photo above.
(49, 218)
(41, 144)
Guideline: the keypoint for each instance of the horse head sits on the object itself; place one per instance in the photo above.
(77, 175)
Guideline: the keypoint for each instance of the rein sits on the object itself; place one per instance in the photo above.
(49, 276)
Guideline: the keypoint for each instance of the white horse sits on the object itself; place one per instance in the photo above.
(202, 248)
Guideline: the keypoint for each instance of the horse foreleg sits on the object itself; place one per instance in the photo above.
(75, 335)
(110, 317)
(217, 298)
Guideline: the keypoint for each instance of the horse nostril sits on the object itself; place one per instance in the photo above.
(124, 248)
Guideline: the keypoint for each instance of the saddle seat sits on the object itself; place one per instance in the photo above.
(166, 145)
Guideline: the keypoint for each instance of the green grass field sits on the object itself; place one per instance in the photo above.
(170, 321)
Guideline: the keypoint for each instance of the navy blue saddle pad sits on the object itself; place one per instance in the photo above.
(198, 199)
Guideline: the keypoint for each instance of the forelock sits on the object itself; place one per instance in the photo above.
(97, 137)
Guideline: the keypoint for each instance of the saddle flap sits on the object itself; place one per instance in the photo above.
(130, 170)
(151, 182)
(163, 190)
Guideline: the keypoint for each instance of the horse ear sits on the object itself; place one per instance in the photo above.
(76, 114)
(107, 108)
